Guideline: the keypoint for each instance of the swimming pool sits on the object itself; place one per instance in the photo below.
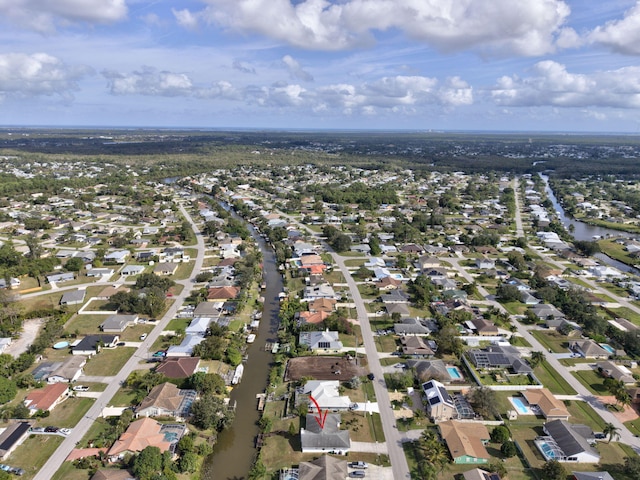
(454, 373)
(549, 449)
(521, 405)
(608, 347)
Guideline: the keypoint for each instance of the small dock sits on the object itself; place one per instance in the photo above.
(262, 399)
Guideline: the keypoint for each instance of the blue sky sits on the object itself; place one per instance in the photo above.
(533, 65)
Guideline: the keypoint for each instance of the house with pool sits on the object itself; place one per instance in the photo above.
(544, 402)
(567, 442)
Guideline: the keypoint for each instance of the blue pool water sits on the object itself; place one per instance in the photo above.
(547, 450)
(520, 405)
(608, 347)
(454, 373)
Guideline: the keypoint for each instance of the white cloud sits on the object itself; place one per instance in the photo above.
(552, 85)
(523, 27)
(386, 93)
(45, 15)
(243, 67)
(295, 70)
(24, 75)
(621, 36)
(149, 81)
(186, 19)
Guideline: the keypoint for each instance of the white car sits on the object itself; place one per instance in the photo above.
(143, 336)
(65, 431)
(80, 388)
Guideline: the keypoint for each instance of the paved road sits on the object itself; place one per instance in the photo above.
(55, 461)
(395, 451)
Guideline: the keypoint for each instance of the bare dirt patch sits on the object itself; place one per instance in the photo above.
(30, 329)
(323, 368)
(629, 412)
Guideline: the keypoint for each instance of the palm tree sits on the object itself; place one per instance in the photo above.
(610, 430)
(536, 358)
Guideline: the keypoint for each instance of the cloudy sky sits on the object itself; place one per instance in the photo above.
(560, 65)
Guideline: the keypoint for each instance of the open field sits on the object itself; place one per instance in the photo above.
(322, 368)
(109, 361)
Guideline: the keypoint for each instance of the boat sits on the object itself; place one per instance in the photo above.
(237, 376)
(251, 338)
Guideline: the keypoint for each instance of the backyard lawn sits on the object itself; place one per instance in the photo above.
(68, 413)
(554, 382)
(34, 452)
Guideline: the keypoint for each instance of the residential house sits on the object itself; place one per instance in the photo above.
(178, 367)
(91, 344)
(589, 349)
(395, 296)
(165, 268)
(99, 272)
(388, 283)
(545, 311)
(61, 277)
(546, 403)
(167, 400)
(414, 326)
(567, 442)
(141, 434)
(12, 437)
(499, 356)
(118, 256)
(321, 342)
(206, 309)
(466, 441)
(416, 346)
(322, 305)
(74, 297)
(325, 438)
(326, 394)
(591, 476)
(401, 309)
(427, 262)
(47, 398)
(198, 326)
(217, 294)
(311, 318)
(431, 370)
(118, 323)
(619, 372)
(440, 405)
(479, 474)
(68, 371)
(131, 270)
(485, 263)
(319, 291)
(483, 327)
(323, 468)
(186, 347)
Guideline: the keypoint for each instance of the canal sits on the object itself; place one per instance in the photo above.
(584, 231)
(234, 452)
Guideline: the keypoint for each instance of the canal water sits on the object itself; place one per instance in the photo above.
(234, 452)
(584, 231)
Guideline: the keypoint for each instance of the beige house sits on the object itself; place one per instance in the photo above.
(550, 407)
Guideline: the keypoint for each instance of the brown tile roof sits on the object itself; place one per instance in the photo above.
(45, 398)
(311, 317)
(223, 293)
(140, 435)
(180, 367)
(113, 474)
(166, 396)
(547, 402)
(465, 438)
(322, 305)
(323, 468)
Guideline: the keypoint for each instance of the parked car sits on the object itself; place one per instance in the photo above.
(51, 429)
(357, 474)
(143, 336)
(361, 465)
(80, 388)
(371, 376)
(65, 431)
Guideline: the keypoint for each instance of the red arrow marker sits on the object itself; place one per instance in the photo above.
(320, 418)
